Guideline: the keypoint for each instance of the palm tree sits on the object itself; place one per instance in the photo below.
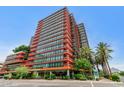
(85, 52)
(103, 51)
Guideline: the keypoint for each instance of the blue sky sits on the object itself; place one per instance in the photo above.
(18, 24)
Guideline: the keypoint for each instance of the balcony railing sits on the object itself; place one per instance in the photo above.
(68, 59)
(69, 53)
(20, 53)
(33, 50)
(34, 42)
(14, 61)
(31, 58)
(31, 54)
(19, 56)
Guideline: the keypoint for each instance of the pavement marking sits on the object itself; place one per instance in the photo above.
(92, 84)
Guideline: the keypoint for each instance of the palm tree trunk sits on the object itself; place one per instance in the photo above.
(109, 68)
(98, 68)
(103, 68)
(106, 66)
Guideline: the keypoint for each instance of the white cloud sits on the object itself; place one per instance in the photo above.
(5, 50)
(118, 66)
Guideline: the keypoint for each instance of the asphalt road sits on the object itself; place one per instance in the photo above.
(58, 83)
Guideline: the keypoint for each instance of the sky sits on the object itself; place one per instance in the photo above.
(103, 24)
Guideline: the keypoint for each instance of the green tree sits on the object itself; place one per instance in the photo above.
(82, 64)
(103, 51)
(23, 48)
(22, 72)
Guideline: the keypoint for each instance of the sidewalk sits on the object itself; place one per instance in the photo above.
(59, 83)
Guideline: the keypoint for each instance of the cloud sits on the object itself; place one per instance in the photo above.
(5, 50)
(118, 66)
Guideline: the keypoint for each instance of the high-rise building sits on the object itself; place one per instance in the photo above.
(56, 43)
(1, 65)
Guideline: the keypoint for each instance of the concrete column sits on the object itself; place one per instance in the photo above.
(44, 73)
(68, 73)
(73, 74)
(50, 74)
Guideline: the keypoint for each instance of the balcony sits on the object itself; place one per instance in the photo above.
(33, 46)
(68, 36)
(31, 58)
(38, 31)
(37, 35)
(53, 68)
(68, 53)
(39, 27)
(68, 42)
(19, 60)
(28, 64)
(68, 47)
(20, 53)
(15, 61)
(31, 54)
(36, 39)
(34, 42)
(33, 50)
(19, 56)
(68, 59)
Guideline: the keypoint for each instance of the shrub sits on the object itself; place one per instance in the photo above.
(53, 76)
(14, 76)
(80, 77)
(106, 76)
(65, 77)
(29, 76)
(35, 75)
(46, 76)
(90, 77)
(5, 76)
(21, 72)
(122, 73)
(8, 76)
(50, 77)
(72, 77)
(115, 77)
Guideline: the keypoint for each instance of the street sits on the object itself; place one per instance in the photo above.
(59, 83)
(122, 79)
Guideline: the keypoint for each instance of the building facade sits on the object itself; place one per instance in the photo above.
(56, 43)
(1, 65)
(13, 61)
(54, 46)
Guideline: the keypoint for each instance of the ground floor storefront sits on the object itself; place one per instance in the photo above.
(49, 74)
